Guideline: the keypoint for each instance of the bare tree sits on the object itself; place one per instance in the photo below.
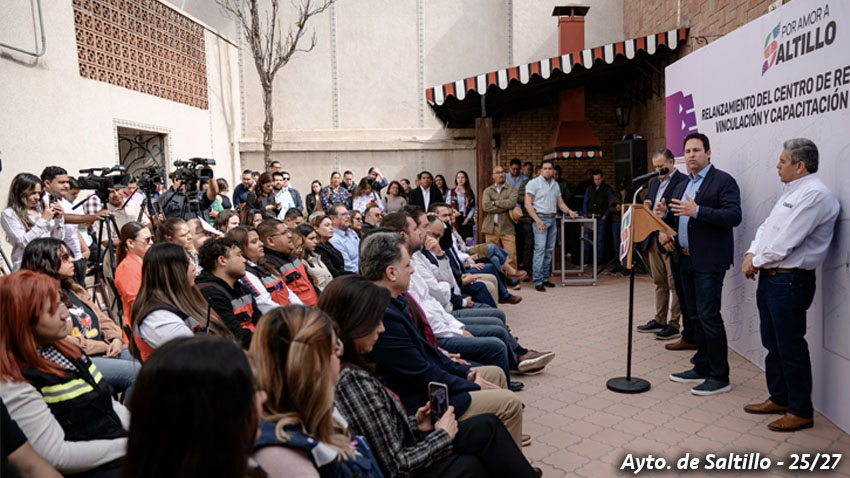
(270, 49)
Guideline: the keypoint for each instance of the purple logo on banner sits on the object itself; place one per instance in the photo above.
(681, 121)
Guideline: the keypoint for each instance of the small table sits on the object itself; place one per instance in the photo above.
(588, 223)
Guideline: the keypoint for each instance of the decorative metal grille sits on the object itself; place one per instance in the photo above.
(140, 149)
(142, 45)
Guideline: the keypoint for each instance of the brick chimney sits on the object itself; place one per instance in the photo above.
(572, 137)
(570, 27)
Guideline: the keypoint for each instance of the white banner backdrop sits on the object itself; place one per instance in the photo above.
(782, 76)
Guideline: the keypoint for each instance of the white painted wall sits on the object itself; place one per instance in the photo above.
(358, 98)
(50, 115)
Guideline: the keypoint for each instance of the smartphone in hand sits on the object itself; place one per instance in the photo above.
(438, 394)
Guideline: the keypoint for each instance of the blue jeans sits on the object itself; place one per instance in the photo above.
(600, 241)
(496, 255)
(493, 327)
(544, 244)
(782, 303)
(119, 372)
(482, 311)
(703, 291)
(486, 350)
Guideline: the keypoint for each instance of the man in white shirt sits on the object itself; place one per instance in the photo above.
(789, 245)
(56, 184)
(284, 195)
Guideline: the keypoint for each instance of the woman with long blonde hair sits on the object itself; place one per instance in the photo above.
(295, 351)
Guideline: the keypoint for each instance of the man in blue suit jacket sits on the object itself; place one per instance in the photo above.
(664, 278)
(703, 211)
(407, 361)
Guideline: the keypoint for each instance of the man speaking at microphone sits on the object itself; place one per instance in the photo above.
(704, 210)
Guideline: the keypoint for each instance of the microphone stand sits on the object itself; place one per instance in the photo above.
(629, 384)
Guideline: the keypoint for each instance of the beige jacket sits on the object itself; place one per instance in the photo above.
(498, 204)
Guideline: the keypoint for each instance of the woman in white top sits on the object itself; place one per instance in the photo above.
(26, 219)
(169, 305)
(363, 195)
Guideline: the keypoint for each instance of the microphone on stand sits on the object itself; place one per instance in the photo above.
(651, 175)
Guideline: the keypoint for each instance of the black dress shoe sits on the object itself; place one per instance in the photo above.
(511, 281)
(516, 386)
(540, 288)
(548, 284)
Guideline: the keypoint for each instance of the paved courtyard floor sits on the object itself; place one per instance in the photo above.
(579, 428)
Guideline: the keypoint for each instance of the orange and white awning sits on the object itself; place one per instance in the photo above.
(564, 64)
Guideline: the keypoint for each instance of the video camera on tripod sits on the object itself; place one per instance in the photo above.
(113, 177)
(148, 178)
(193, 169)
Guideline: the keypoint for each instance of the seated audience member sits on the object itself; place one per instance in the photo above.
(96, 334)
(226, 220)
(408, 360)
(313, 200)
(407, 446)
(19, 459)
(201, 232)
(451, 334)
(296, 354)
(219, 283)
(315, 266)
(357, 223)
(253, 218)
(195, 412)
(405, 187)
(292, 218)
(75, 432)
(371, 218)
(26, 218)
(240, 192)
(169, 305)
(440, 183)
(396, 198)
(461, 264)
(133, 244)
(364, 195)
(266, 286)
(222, 202)
(329, 254)
(477, 322)
(177, 231)
(280, 255)
(344, 239)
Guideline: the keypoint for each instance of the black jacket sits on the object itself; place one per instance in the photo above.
(332, 258)
(235, 306)
(710, 234)
(407, 363)
(415, 198)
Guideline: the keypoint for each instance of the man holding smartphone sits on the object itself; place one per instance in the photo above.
(56, 185)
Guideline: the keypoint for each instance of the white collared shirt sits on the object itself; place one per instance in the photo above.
(798, 230)
(426, 197)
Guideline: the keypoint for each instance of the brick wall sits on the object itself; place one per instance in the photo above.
(708, 20)
(525, 135)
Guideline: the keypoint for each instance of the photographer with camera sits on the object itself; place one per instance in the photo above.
(184, 199)
(56, 185)
(26, 218)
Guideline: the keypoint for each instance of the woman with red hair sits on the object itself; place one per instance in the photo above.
(52, 390)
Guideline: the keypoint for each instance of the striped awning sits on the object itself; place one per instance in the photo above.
(587, 58)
